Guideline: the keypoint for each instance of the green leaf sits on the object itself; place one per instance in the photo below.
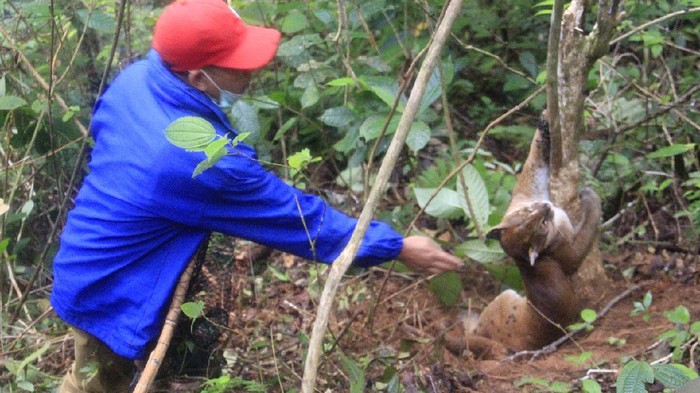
(477, 193)
(544, 3)
(694, 327)
(680, 315)
(339, 116)
(372, 127)
(341, 82)
(217, 149)
(589, 315)
(673, 150)
(264, 102)
(673, 375)
(633, 377)
(193, 310)
(98, 20)
(446, 204)
(72, 110)
(32, 357)
(580, 359)
(386, 89)
(285, 127)
(356, 375)
(310, 97)
(300, 159)
(201, 167)
(482, 252)
(349, 142)
(529, 62)
(293, 22)
(25, 385)
(541, 77)
(240, 138)
(418, 136)
(394, 385)
(294, 51)
(244, 118)
(515, 82)
(8, 103)
(527, 380)
(591, 386)
(190, 132)
(646, 301)
(668, 334)
(447, 287)
(432, 92)
(3, 244)
(560, 387)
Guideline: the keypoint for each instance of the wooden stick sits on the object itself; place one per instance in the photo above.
(343, 261)
(156, 357)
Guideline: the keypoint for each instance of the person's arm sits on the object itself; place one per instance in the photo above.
(423, 255)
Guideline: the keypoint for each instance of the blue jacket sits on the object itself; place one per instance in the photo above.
(140, 216)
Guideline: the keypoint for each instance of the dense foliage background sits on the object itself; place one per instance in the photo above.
(333, 90)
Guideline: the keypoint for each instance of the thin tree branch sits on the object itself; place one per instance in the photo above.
(343, 262)
(653, 22)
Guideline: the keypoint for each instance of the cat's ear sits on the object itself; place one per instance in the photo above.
(509, 221)
(495, 232)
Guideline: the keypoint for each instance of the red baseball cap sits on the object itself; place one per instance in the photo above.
(191, 34)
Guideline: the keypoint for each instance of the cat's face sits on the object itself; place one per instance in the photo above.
(525, 232)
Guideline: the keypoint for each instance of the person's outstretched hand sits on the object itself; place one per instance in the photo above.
(423, 255)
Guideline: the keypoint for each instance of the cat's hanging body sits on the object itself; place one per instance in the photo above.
(547, 249)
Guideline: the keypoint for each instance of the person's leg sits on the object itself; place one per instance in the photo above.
(96, 368)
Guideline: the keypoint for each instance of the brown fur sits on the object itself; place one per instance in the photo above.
(547, 249)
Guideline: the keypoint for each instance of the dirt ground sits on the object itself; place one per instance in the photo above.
(393, 326)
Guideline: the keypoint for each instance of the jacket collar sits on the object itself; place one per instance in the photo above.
(176, 92)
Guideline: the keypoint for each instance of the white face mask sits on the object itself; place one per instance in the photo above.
(226, 98)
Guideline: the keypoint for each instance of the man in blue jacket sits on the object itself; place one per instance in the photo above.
(140, 215)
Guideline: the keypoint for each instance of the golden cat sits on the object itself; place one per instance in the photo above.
(547, 249)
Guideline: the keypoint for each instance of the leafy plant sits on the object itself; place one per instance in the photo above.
(355, 373)
(196, 134)
(643, 307)
(544, 385)
(682, 332)
(589, 317)
(226, 384)
(447, 287)
(590, 386)
(636, 374)
(580, 359)
(193, 310)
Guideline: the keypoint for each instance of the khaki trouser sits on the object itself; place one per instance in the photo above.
(97, 368)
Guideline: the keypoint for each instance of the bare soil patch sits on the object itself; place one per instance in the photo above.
(394, 326)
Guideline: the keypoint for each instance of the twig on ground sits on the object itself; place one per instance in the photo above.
(553, 346)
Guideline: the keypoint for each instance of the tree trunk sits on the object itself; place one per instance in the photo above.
(576, 53)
